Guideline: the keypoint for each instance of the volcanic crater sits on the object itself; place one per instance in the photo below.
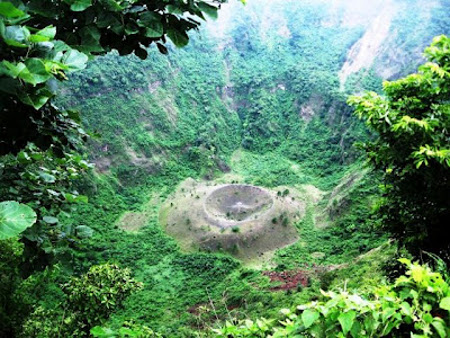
(247, 221)
(235, 204)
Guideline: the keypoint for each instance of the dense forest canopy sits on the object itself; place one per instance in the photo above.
(193, 168)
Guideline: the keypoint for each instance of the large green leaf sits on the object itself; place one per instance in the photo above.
(15, 218)
(154, 30)
(210, 10)
(439, 326)
(11, 69)
(36, 98)
(309, 317)
(346, 320)
(79, 5)
(46, 34)
(8, 10)
(152, 23)
(90, 39)
(445, 303)
(16, 36)
(178, 37)
(75, 60)
(114, 5)
(141, 53)
(38, 71)
(50, 220)
(84, 231)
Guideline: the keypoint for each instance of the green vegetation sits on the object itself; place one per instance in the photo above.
(417, 304)
(257, 97)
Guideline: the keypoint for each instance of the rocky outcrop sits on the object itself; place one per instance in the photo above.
(364, 52)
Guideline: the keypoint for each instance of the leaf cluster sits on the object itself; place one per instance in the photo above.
(46, 40)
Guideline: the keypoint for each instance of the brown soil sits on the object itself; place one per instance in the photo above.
(290, 280)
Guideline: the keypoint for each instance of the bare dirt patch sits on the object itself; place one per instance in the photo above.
(338, 199)
(132, 221)
(288, 280)
(310, 108)
(364, 52)
(246, 221)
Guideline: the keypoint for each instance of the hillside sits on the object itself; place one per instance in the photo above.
(246, 80)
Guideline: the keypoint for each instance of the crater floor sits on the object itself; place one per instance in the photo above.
(234, 204)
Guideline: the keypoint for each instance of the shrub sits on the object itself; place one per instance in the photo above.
(90, 299)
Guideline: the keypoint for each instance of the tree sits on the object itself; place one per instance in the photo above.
(41, 43)
(412, 123)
